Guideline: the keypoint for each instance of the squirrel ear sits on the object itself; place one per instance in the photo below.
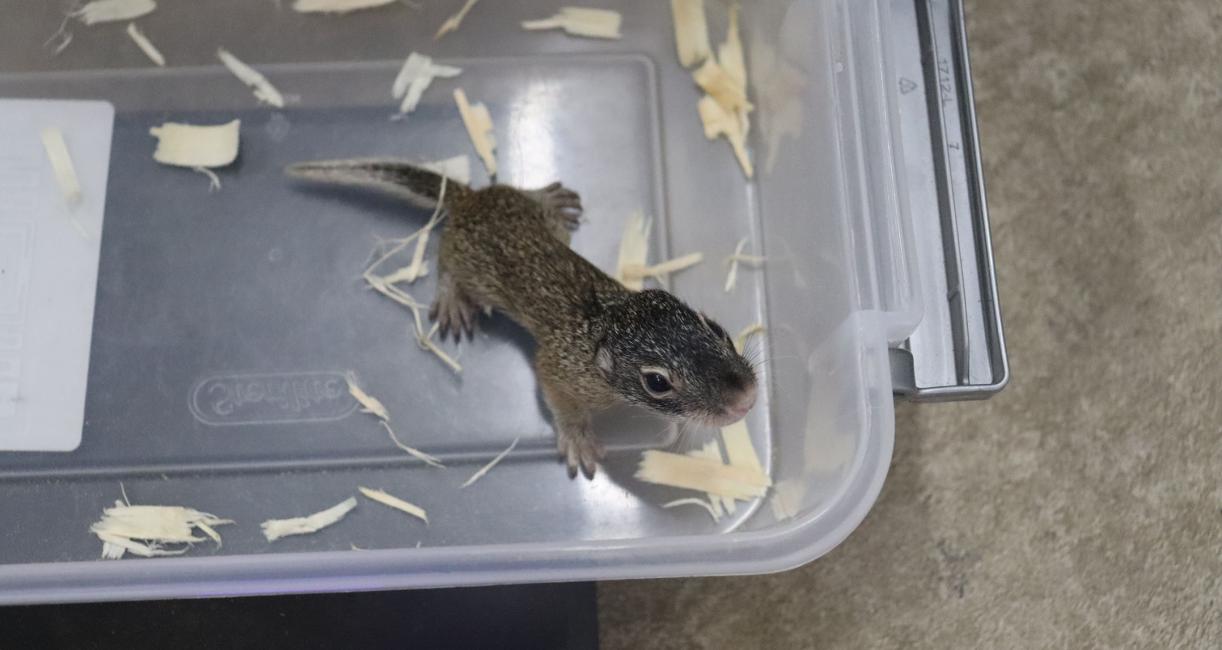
(602, 359)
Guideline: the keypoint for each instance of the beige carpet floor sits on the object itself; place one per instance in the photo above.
(1082, 507)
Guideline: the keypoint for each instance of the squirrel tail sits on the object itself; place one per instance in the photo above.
(415, 183)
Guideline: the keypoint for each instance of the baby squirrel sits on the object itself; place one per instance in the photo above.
(598, 342)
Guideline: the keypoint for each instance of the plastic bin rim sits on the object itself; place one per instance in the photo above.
(247, 575)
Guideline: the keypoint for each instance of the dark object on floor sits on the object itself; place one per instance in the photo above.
(530, 616)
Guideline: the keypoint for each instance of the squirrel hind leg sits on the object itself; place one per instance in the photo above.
(453, 309)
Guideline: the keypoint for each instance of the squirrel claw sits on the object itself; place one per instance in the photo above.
(563, 203)
(453, 312)
(580, 451)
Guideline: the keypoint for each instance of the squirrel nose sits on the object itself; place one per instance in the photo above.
(740, 402)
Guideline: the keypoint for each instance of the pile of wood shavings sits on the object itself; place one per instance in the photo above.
(147, 530)
(632, 268)
(387, 285)
(725, 109)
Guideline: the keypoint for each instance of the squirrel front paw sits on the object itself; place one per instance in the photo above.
(579, 449)
(561, 203)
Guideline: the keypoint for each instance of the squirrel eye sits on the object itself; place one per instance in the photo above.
(656, 383)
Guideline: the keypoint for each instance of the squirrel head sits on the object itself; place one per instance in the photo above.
(657, 352)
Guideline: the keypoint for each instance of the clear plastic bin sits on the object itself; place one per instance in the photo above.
(204, 297)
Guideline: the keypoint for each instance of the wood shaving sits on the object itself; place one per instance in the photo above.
(739, 450)
(274, 529)
(164, 524)
(734, 261)
(692, 501)
(336, 6)
(712, 451)
(732, 276)
(740, 341)
(581, 21)
(369, 403)
(479, 127)
(779, 511)
(396, 503)
(417, 269)
(210, 531)
(663, 268)
(725, 109)
(408, 274)
(718, 84)
(717, 121)
(114, 547)
(188, 145)
(456, 168)
(144, 530)
(383, 284)
(427, 459)
(730, 53)
(787, 499)
(108, 11)
(691, 31)
(61, 164)
(454, 21)
(262, 88)
(64, 40)
(675, 265)
(738, 257)
(634, 250)
(426, 342)
(214, 181)
(414, 77)
(145, 45)
(702, 475)
(733, 61)
(484, 470)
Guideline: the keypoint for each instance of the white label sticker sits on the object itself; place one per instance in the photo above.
(49, 251)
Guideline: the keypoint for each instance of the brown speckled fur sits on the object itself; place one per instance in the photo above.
(508, 249)
(525, 288)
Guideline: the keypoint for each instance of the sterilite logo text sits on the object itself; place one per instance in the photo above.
(272, 398)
